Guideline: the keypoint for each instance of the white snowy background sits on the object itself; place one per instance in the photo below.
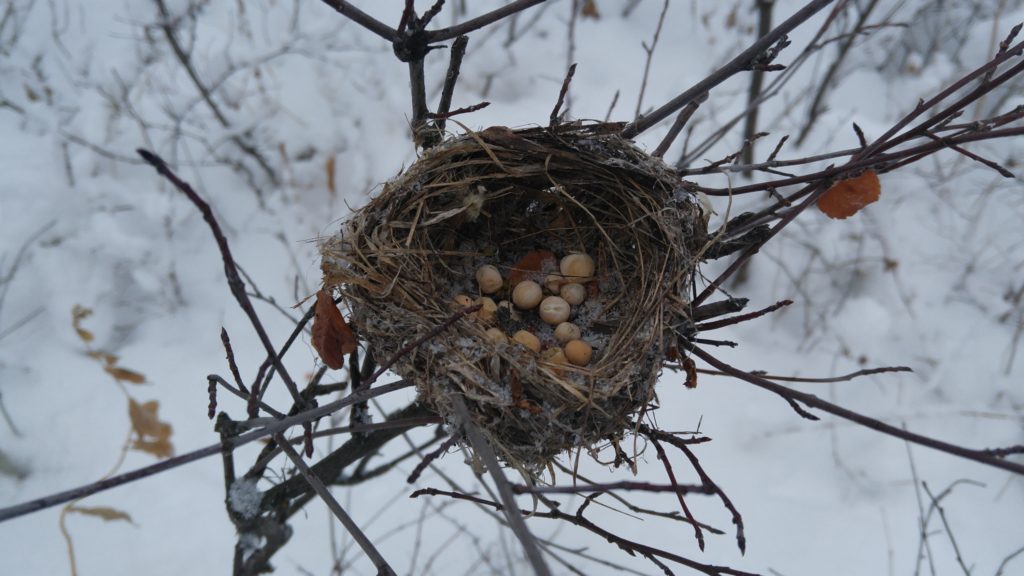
(929, 277)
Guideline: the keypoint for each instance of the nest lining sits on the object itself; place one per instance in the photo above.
(492, 197)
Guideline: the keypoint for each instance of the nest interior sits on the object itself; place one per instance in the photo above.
(495, 197)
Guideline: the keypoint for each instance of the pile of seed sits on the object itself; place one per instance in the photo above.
(580, 249)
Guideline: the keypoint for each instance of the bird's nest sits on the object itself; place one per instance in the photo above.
(520, 200)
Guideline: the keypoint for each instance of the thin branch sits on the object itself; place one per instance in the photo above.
(458, 51)
(480, 21)
(353, 529)
(740, 63)
(146, 471)
(363, 19)
(561, 96)
(512, 512)
(230, 269)
(650, 56)
(813, 401)
(684, 116)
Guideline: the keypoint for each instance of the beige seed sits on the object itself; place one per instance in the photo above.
(462, 301)
(554, 310)
(487, 310)
(489, 279)
(527, 294)
(574, 293)
(567, 331)
(527, 339)
(578, 352)
(497, 336)
(552, 282)
(555, 355)
(577, 267)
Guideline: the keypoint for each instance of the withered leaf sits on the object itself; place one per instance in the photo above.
(104, 512)
(847, 197)
(153, 435)
(105, 357)
(79, 313)
(332, 337)
(589, 10)
(529, 265)
(124, 374)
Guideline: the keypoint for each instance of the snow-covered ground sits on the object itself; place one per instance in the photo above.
(929, 277)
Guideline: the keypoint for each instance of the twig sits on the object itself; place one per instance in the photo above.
(813, 401)
(650, 56)
(431, 456)
(764, 8)
(480, 21)
(561, 97)
(458, 51)
(697, 532)
(353, 529)
(512, 512)
(815, 108)
(230, 269)
(949, 531)
(612, 486)
(363, 19)
(743, 317)
(738, 64)
(146, 471)
(673, 132)
(834, 379)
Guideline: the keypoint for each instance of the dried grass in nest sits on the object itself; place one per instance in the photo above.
(491, 197)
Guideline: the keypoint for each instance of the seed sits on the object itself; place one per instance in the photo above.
(497, 336)
(574, 293)
(489, 279)
(552, 282)
(462, 301)
(567, 331)
(487, 310)
(578, 352)
(577, 267)
(527, 339)
(554, 310)
(527, 294)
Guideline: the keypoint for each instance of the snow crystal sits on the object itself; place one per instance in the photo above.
(245, 498)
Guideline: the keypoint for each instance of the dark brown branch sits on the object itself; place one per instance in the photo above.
(561, 97)
(684, 116)
(480, 21)
(813, 401)
(738, 64)
(458, 51)
(743, 317)
(764, 8)
(146, 471)
(834, 379)
(512, 512)
(362, 18)
(697, 532)
(230, 269)
(612, 486)
(383, 568)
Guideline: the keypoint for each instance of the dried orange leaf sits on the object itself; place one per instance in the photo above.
(124, 374)
(846, 198)
(159, 448)
(332, 337)
(79, 313)
(153, 434)
(105, 357)
(529, 265)
(104, 512)
(589, 10)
